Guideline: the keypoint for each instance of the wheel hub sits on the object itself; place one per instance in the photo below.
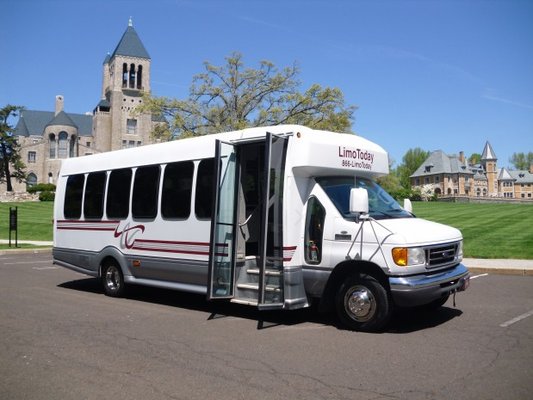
(360, 303)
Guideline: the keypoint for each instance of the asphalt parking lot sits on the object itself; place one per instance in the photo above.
(62, 338)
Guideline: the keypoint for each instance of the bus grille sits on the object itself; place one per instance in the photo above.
(442, 255)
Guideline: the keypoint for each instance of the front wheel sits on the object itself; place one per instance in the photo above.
(363, 304)
(113, 280)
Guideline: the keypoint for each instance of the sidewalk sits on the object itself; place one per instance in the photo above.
(499, 266)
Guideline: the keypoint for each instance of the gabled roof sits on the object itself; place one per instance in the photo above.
(488, 153)
(440, 163)
(504, 175)
(62, 119)
(32, 123)
(130, 45)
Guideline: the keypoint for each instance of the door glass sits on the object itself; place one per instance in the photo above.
(272, 240)
(222, 249)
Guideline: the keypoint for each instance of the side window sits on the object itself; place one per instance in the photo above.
(93, 204)
(314, 230)
(177, 190)
(118, 193)
(204, 189)
(145, 191)
(73, 196)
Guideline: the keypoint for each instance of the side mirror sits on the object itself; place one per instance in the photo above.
(358, 201)
(407, 205)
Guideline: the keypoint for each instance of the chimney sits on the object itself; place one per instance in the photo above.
(462, 157)
(59, 104)
(531, 168)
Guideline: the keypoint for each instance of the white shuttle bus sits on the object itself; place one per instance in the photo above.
(272, 217)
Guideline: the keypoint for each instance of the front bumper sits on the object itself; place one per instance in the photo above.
(416, 290)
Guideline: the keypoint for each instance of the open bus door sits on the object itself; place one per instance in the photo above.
(257, 279)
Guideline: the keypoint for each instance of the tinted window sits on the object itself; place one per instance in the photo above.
(73, 196)
(118, 193)
(314, 230)
(93, 205)
(177, 189)
(204, 189)
(145, 191)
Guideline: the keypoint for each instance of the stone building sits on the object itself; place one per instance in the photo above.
(452, 175)
(47, 137)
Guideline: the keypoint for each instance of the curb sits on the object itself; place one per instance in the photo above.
(36, 250)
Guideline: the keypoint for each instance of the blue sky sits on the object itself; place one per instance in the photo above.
(446, 75)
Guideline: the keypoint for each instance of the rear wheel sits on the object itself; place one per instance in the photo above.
(362, 304)
(112, 279)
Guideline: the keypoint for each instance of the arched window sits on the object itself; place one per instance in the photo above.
(132, 76)
(124, 75)
(31, 180)
(73, 148)
(53, 145)
(62, 145)
(140, 77)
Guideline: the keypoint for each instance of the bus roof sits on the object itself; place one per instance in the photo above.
(314, 152)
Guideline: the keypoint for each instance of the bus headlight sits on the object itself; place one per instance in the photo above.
(407, 256)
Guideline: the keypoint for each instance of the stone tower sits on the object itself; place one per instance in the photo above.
(126, 76)
(488, 160)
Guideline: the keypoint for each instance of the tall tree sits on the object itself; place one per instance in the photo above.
(232, 97)
(412, 159)
(474, 159)
(522, 160)
(11, 165)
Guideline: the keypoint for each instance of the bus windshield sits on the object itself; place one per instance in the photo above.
(381, 205)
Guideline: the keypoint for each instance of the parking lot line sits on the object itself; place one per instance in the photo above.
(516, 319)
(478, 276)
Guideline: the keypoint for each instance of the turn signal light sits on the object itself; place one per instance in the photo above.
(399, 255)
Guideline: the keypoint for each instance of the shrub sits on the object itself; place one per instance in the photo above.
(42, 187)
(47, 196)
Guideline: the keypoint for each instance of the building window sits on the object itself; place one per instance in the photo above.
(131, 125)
(31, 180)
(52, 145)
(73, 148)
(62, 145)
(32, 156)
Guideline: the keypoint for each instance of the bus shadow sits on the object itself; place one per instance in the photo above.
(403, 320)
(417, 319)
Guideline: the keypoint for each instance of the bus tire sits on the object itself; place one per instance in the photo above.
(363, 304)
(113, 279)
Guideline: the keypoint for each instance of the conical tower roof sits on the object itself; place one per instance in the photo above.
(488, 153)
(130, 45)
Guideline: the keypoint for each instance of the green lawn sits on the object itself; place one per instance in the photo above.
(489, 230)
(34, 220)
